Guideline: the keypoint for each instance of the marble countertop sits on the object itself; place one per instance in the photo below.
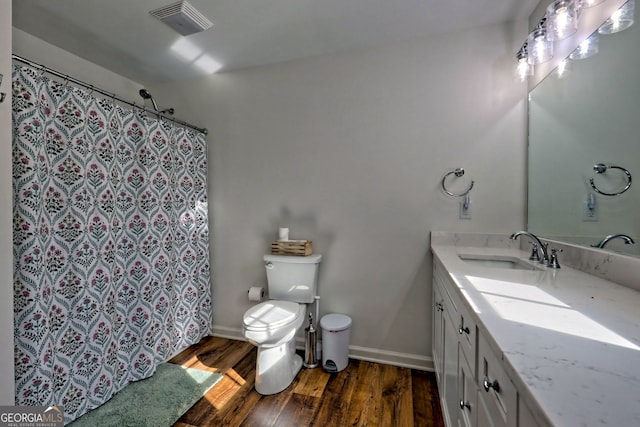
(570, 340)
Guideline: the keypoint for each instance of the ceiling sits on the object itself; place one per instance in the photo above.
(123, 37)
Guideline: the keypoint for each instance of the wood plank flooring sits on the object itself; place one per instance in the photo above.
(365, 394)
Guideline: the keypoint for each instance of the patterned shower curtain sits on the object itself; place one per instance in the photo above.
(110, 244)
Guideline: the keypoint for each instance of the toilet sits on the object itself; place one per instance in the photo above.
(272, 325)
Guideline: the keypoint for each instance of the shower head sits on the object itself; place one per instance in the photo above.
(145, 94)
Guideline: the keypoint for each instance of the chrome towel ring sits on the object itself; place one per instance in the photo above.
(458, 172)
(602, 168)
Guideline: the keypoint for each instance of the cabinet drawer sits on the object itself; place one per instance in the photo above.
(497, 392)
(467, 332)
(468, 393)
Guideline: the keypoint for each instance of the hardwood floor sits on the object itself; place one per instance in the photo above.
(365, 394)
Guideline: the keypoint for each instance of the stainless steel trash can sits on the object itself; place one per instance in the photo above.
(335, 341)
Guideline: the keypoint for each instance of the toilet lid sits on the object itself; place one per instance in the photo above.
(270, 315)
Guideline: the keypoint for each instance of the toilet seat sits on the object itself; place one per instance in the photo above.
(272, 314)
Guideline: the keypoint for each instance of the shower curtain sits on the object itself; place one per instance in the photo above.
(110, 244)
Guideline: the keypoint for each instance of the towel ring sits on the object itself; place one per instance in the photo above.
(601, 168)
(458, 172)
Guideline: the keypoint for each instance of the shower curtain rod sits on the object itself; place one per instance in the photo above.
(104, 92)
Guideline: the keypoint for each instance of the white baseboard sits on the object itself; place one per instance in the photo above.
(230, 333)
(405, 360)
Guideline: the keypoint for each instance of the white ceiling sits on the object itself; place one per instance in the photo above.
(122, 36)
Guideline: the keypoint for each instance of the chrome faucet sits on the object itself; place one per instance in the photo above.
(543, 248)
(627, 240)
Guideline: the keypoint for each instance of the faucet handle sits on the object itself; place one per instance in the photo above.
(553, 262)
(545, 254)
(535, 256)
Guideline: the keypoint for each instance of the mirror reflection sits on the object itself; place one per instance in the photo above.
(584, 144)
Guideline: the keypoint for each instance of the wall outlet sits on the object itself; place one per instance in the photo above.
(465, 209)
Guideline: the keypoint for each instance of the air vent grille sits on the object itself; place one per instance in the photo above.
(183, 18)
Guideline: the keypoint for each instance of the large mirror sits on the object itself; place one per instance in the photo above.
(585, 115)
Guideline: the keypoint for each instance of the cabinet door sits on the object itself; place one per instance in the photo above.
(525, 417)
(438, 333)
(497, 396)
(450, 377)
(467, 391)
(483, 413)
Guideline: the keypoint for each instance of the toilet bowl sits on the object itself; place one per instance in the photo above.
(271, 326)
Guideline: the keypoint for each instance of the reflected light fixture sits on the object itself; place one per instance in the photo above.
(562, 18)
(590, 3)
(563, 68)
(620, 20)
(540, 44)
(523, 68)
(587, 48)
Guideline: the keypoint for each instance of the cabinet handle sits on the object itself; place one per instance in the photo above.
(487, 384)
(464, 329)
(464, 404)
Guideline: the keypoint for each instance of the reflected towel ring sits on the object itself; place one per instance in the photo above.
(458, 172)
(601, 168)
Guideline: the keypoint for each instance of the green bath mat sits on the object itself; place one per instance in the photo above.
(154, 402)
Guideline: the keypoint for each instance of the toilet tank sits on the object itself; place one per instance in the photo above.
(292, 278)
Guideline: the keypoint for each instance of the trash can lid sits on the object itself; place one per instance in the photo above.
(335, 322)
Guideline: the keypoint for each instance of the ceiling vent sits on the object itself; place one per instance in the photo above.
(183, 18)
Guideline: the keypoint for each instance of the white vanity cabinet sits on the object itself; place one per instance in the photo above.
(454, 351)
(445, 347)
(475, 390)
(534, 346)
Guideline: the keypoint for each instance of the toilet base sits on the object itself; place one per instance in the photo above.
(276, 367)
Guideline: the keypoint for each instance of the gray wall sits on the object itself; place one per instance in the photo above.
(41, 52)
(348, 150)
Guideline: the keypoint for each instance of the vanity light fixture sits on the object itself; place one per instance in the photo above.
(562, 18)
(540, 43)
(560, 22)
(587, 48)
(620, 20)
(523, 69)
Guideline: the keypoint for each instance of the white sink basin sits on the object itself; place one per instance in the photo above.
(497, 261)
